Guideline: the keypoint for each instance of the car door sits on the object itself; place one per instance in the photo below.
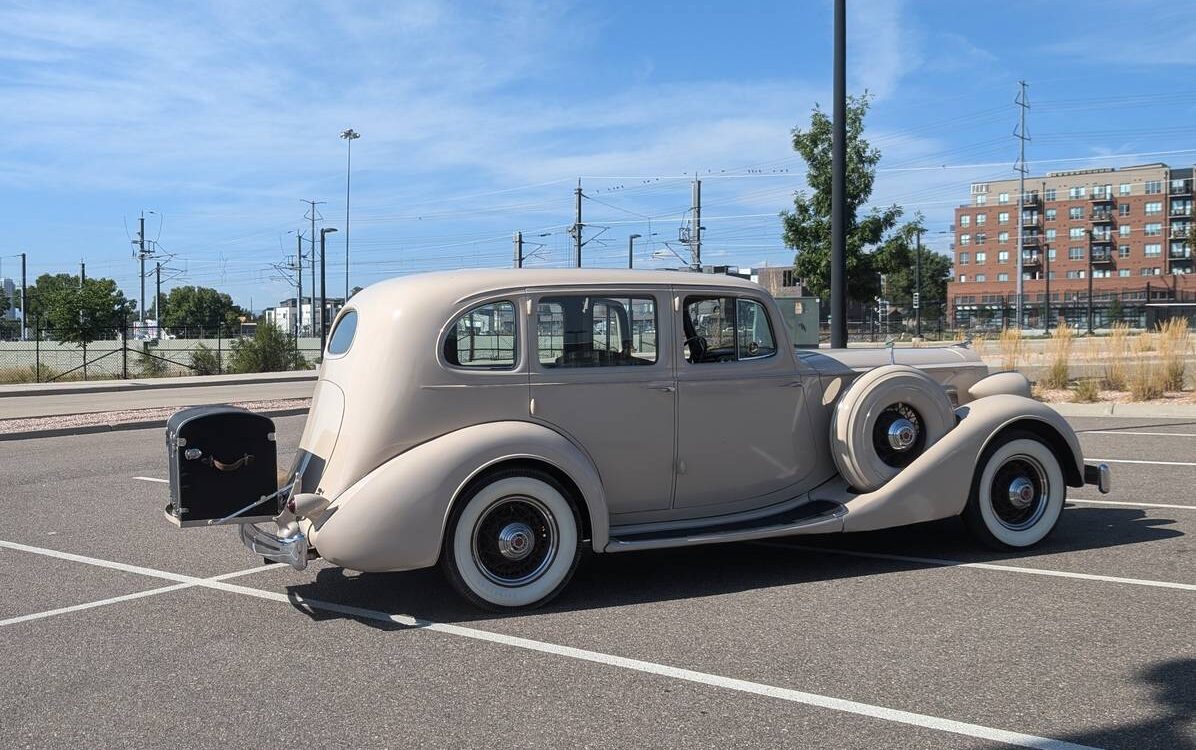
(600, 375)
(742, 429)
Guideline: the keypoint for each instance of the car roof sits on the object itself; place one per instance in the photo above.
(461, 284)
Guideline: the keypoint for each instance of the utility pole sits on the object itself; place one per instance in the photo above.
(918, 286)
(518, 249)
(158, 296)
(324, 232)
(576, 229)
(299, 276)
(24, 306)
(697, 246)
(631, 238)
(82, 274)
(1023, 104)
(141, 258)
(839, 184)
(312, 210)
(1046, 259)
(1090, 238)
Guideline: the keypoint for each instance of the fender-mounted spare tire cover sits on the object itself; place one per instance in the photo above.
(887, 418)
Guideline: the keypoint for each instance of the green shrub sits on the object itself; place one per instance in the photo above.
(149, 365)
(204, 361)
(1087, 391)
(270, 350)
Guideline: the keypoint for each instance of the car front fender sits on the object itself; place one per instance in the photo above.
(394, 517)
(937, 483)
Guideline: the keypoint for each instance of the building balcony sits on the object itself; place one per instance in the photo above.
(1181, 231)
(1031, 259)
(1104, 196)
(1180, 211)
(1031, 199)
(1101, 215)
(1179, 187)
(1031, 219)
(1103, 257)
(1031, 240)
(1180, 252)
(1101, 236)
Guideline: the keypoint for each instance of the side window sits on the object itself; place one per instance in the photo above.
(726, 329)
(592, 331)
(752, 330)
(483, 338)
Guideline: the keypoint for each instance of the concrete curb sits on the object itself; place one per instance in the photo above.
(121, 426)
(108, 386)
(1149, 411)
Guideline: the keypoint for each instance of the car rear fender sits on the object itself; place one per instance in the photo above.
(937, 483)
(394, 518)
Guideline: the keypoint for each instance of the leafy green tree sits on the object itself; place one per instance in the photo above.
(78, 313)
(807, 228)
(897, 260)
(199, 306)
(270, 350)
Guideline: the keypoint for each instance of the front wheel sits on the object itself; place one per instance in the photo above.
(512, 542)
(1017, 493)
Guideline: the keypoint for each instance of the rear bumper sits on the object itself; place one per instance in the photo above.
(292, 550)
(1099, 475)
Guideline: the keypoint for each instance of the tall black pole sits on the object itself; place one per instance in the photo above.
(323, 299)
(918, 287)
(1046, 255)
(519, 249)
(1089, 282)
(24, 307)
(839, 184)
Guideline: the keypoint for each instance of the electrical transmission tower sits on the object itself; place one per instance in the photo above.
(1023, 102)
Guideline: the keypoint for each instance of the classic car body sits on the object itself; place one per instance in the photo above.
(496, 422)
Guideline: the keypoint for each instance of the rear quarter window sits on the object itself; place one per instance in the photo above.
(484, 337)
(342, 335)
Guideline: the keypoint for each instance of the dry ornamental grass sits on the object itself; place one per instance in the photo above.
(1174, 342)
(1013, 348)
(1145, 374)
(1115, 362)
(1059, 353)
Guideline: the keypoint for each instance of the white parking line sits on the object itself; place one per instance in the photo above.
(702, 678)
(1125, 432)
(153, 479)
(944, 563)
(1136, 461)
(135, 595)
(1130, 504)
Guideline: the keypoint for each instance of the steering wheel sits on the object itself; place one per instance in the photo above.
(697, 348)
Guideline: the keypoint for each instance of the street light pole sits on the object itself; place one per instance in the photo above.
(839, 182)
(1090, 238)
(918, 287)
(1046, 259)
(349, 136)
(631, 249)
(324, 232)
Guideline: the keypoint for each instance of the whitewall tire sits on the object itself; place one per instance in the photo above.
(512, 542)
(1017, 493)
(886, 419)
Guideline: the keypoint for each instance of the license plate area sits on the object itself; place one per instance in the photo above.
(222, 459)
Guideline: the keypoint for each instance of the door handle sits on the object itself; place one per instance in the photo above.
(663, 388)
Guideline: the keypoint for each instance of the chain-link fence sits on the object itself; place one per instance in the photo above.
(44, 357)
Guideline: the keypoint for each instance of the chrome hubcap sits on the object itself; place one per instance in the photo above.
(515, 541)
(1021, 492)
(902, 434)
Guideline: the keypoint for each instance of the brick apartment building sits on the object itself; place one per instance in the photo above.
(1130, 226)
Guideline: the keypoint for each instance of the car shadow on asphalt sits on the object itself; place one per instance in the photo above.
(631, 578)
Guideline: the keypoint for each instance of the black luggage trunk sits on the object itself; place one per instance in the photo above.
(222, 458)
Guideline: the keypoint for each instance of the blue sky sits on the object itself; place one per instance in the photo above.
(477, 119)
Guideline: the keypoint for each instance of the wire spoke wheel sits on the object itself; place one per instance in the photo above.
(515, 541)
(898, 435)
(1019, 492)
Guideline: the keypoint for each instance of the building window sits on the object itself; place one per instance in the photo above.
(1077, 192)
(965, 239)
(1154, 187)
(1075, 274)
(981, 199)
(1076, 233)
(1124, 230)
(1123, 209)
(1002, 277)
(1050, 214)
(1152, 250)
(1002, 236)
(981, 219)
(1123, 251)
(1152, 230)
(964, 258)
(1003, 217)
(981, 278)
(1002, 197)
(965, 220)
(1075, 212)
(1050, 235)
(1075, 253)
(1048, 194)
(1050, 253)
(963, 278)
(1151, 271)
(1154, 207)
(1123, 272)
(1123, 189)
(981, 238)
(1003, 256)
(1051, 275)
(981, 257)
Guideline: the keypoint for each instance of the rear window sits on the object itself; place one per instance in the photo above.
(484, 337)
(342, 335)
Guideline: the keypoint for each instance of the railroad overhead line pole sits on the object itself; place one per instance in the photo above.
(1023, 105)
(576, 229)
(838, 308)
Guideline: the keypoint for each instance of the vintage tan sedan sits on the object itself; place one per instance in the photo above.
(498, 423)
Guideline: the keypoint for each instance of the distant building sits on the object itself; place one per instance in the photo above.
(10, 292)
(780, 281)
(285, 314)
(1130, 228)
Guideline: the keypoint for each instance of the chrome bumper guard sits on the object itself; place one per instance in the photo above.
(292, 550)
(1100, 476)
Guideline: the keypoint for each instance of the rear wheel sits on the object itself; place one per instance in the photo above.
(512, 541)
(1017, 493)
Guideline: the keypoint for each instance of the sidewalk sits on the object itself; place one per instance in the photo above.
(56, 399)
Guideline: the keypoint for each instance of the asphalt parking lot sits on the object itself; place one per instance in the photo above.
(118, 630)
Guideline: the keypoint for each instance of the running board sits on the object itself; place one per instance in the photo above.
(818, 517)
